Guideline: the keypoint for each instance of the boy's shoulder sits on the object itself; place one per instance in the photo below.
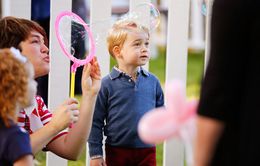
(106, 78)
(149, 74)
(111, 76)
(106, 81)
(114, 74)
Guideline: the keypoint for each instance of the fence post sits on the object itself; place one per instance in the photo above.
(100, 22)
(197, 32)
(16, 8)
(176, 66)
(59, 72)
(208, 22)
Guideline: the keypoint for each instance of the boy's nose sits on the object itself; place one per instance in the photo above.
(144, 49)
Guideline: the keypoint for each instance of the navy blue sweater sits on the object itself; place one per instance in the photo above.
(120, 104)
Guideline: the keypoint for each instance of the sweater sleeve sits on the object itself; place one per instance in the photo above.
(96, 135)
(159, 95)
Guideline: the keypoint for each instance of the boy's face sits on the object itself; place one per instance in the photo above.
(135, 51)
(37, 53)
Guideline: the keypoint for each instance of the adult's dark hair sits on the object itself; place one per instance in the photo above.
(14, 30)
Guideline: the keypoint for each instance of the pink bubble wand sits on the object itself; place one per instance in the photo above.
(76, 62)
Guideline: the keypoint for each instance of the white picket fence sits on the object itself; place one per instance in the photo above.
(176, 56)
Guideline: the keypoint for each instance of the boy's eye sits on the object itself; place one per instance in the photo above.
(137, 44)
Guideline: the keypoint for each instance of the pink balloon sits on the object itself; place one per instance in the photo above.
(157, 125)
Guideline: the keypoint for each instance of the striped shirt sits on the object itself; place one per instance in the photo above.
(35, 117)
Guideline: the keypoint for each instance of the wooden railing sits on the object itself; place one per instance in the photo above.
(176, 55)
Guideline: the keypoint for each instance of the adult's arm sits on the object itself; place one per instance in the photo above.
(24, 161)
(208, 132)
(70, 146)
(61, 118)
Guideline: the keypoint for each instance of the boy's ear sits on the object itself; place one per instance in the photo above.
(116, 51)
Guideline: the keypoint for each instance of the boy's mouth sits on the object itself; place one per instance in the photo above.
(144, 56)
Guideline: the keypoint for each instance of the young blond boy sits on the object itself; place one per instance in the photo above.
(126, 94)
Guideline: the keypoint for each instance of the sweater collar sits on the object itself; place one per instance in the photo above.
(116, 72)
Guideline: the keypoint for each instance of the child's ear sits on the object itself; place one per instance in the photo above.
(116, 51)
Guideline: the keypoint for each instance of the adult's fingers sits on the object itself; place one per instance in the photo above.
(73, 107)
(70, 101)
(74, 116)
(86, 71)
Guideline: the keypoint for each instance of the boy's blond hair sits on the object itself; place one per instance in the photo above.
(119, 31)
(13, 85)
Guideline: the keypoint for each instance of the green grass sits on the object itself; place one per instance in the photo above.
(159, 155)
(194, 73)
(41, 159)
(81, 161)
(157, 66)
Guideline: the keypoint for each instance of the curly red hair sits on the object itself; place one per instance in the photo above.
(13, 86)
